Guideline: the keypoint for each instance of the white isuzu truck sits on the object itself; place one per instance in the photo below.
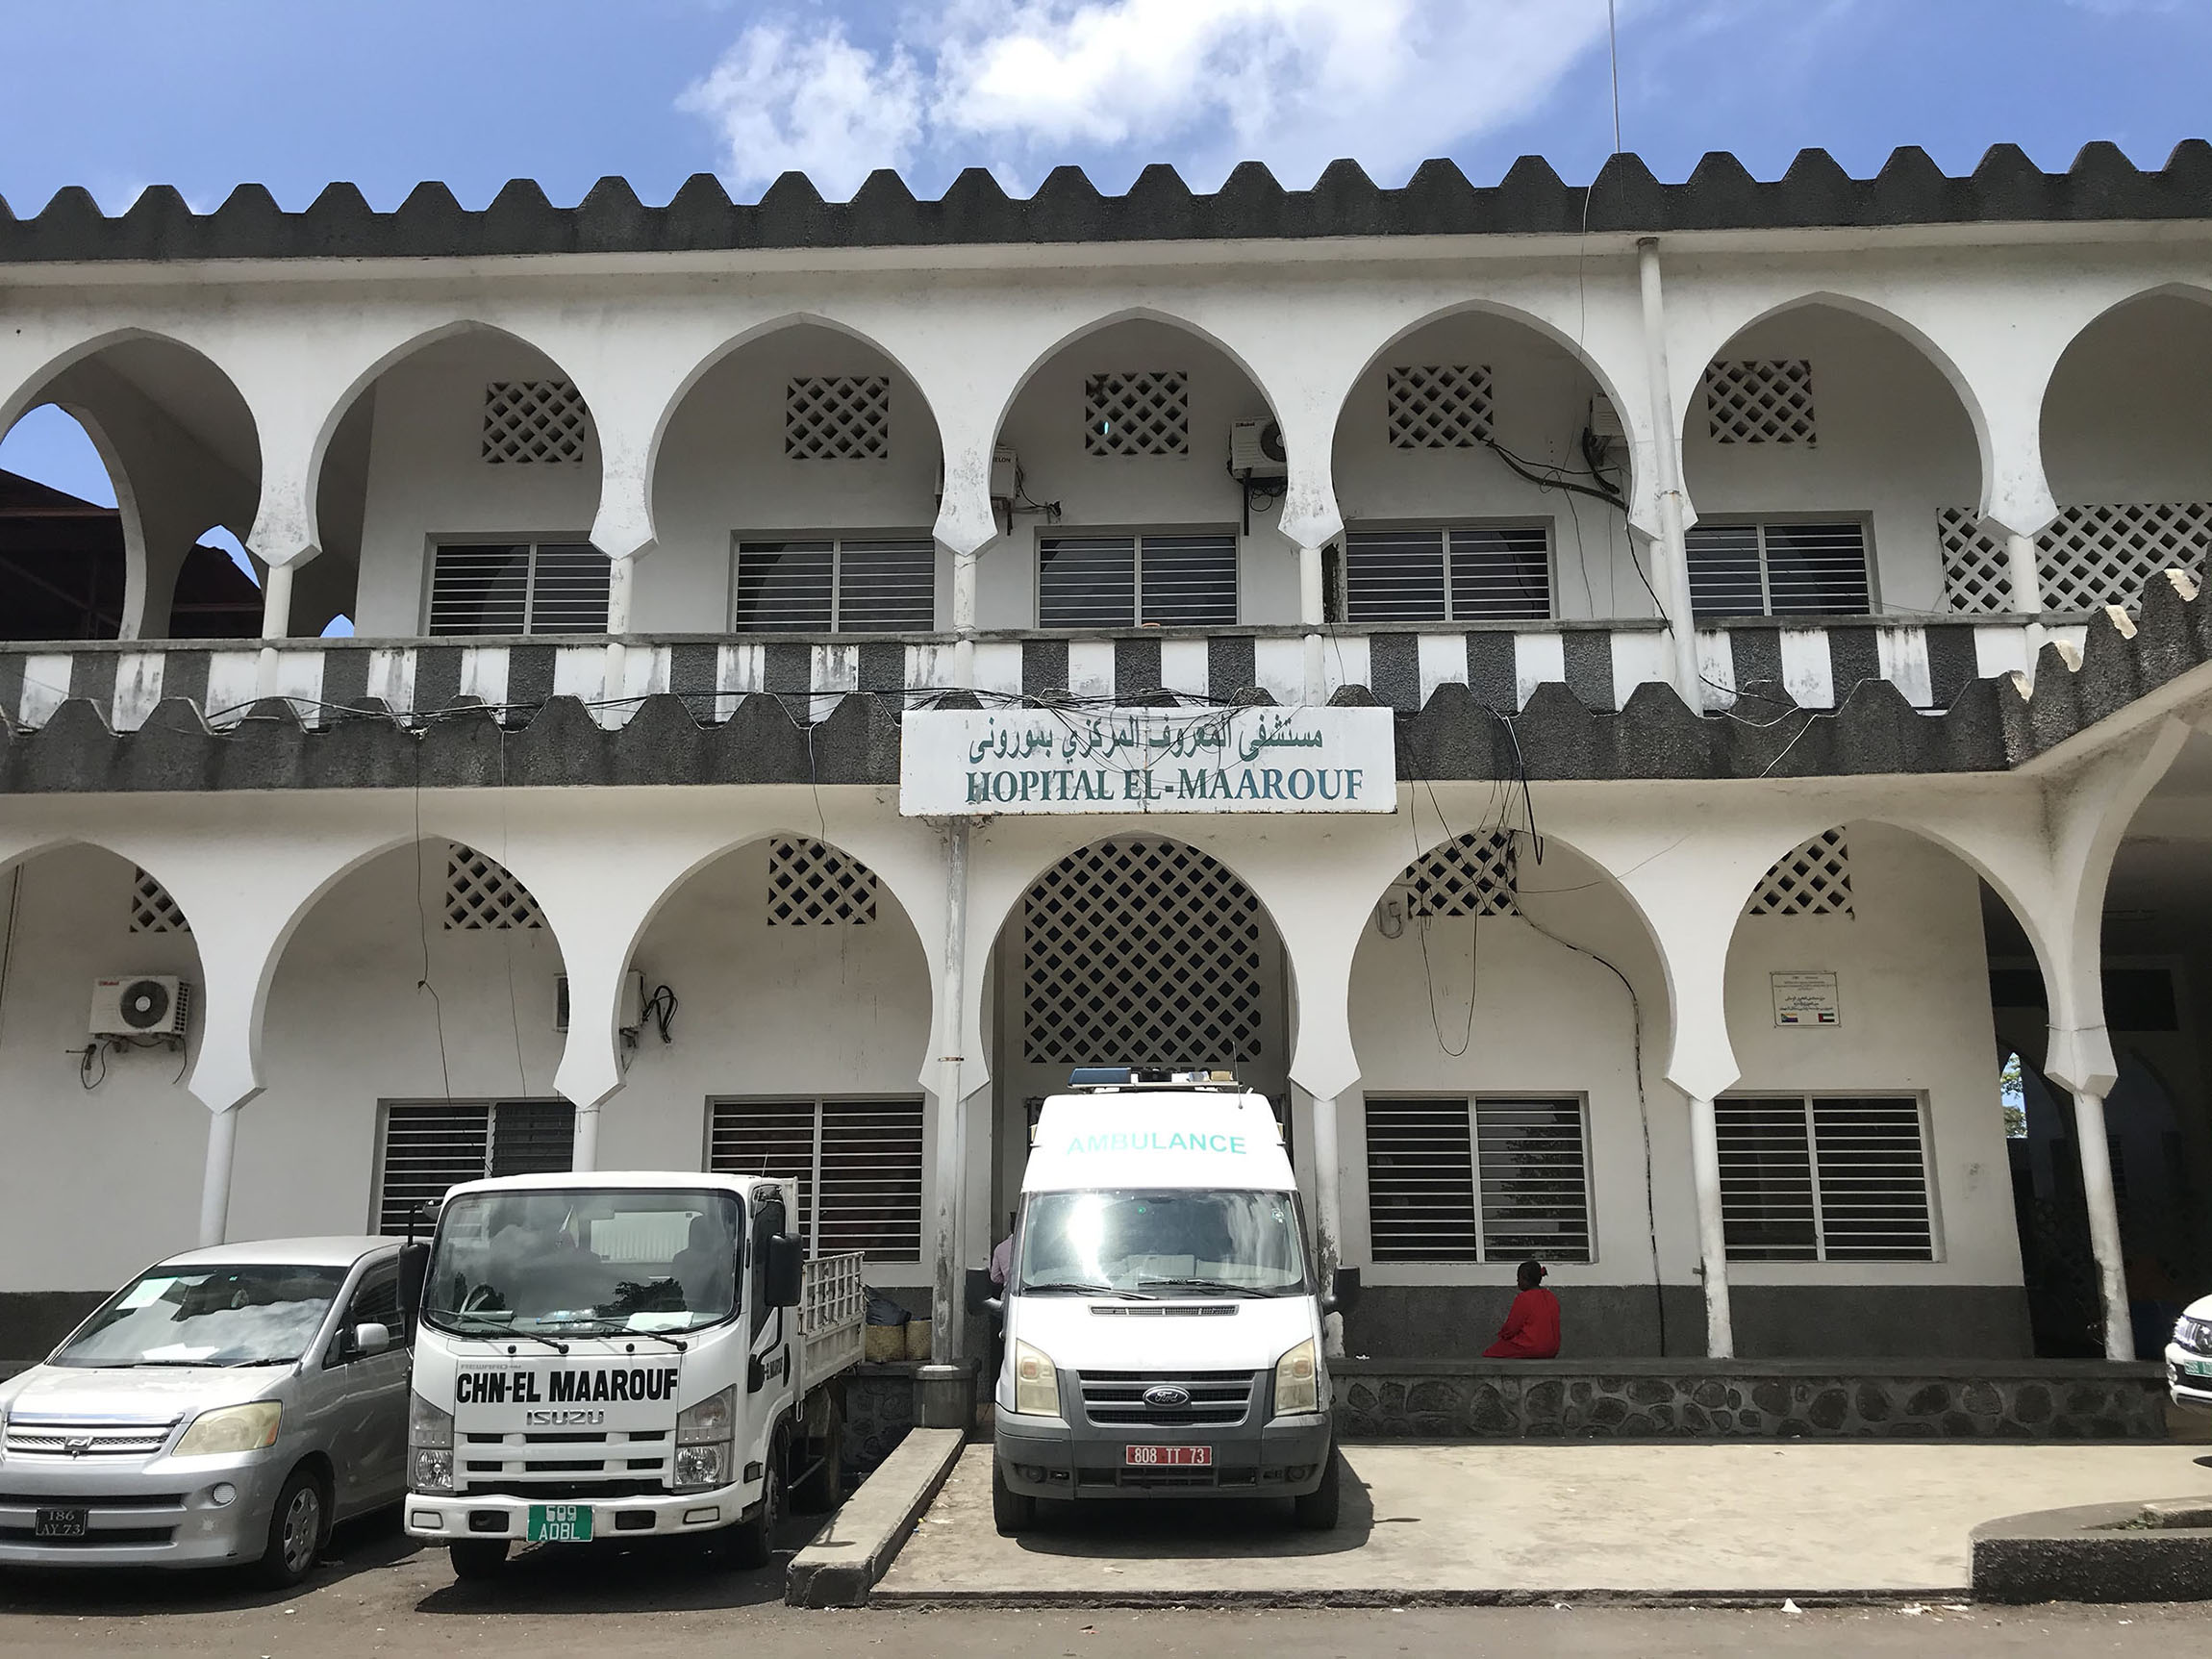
(625, 1355)
(1163, 1317)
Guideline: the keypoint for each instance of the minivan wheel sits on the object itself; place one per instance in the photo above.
(295, 1533)
(1011, 1511)
(1316, 1509)
(478, 1558)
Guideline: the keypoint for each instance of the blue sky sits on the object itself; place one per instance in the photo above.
(294, 93)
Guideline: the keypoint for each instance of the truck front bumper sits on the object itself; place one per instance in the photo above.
(1044, 1457)
(456, 1517)
(164, 1512)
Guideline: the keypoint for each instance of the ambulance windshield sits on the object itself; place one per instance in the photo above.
(1160, 1244)
(579, 1262)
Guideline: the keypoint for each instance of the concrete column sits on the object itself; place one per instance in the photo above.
(216, 1180)
(1329, 1210)
(1671, 574)
(585, 1155)
(964, 616)
(276, 624)
(2026, 578)
(1712, 1239)
(1313, 616)
(951, 1147)
(621, 583)
(2104, 1222)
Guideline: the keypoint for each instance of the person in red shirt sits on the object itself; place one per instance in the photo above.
(1531, 1329)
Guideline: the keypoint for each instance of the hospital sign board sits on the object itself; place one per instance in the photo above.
(1245, 759)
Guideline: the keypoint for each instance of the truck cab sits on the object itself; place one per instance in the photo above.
(624, 1354)
(1161, 1310)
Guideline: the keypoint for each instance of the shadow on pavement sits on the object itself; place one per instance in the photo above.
(656, 1575)
(367, 1545)
(1211, 1529)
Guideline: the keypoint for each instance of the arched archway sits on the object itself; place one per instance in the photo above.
(481, 458)
(179, 451)
(1829, 451)
(808, 456)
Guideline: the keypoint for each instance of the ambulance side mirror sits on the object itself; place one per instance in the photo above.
(1344, 1291)
(785, 1267)
(980, 1300)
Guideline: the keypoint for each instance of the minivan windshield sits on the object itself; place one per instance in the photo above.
(1160, 1244)
(584, 1261)
(242, 1315)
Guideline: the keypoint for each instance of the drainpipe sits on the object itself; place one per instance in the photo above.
(950, 1310)
(1673, 566)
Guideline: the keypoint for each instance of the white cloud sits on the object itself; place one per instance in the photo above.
(1025, 83)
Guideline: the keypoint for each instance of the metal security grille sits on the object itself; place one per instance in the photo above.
(1488, 573)
(535, 421)
(1141, 952)
(1778, 569)
(1760, 402)
(1439, 407)
(1814, 879)
(837, 417)
(857, 1163)
(152, 909)
(1119, 580)
(1828, 1178)
(1474, 875)
(1481, 1180)
(518, 587)
(430, 1147)
(813, 885)
(2089, 557)
(836, 586)
(1139, 413)
(480, 895)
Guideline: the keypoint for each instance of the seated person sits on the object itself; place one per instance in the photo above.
(706, 1268)
(1531, 1329)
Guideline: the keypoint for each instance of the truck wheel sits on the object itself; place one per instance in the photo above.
(1316, 1509)
(753, 1543)
(1011, 1511)
(296, 1532)
(479, 1558)
(820, 1491)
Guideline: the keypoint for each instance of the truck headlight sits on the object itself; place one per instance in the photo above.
(1298, 1380)
(712, 1419)
(231, 1428)
(1036, 1382)
(705, 1445)
(701, 1466)
(429, 1446)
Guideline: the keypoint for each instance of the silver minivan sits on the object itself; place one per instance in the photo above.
(225, 1407)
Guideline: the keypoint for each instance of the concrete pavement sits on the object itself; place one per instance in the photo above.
(1515, 1520)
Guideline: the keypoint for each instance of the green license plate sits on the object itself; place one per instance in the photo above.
(560, 1524)
(2197, 1368)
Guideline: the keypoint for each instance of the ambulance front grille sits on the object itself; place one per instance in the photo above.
(1214, 1399)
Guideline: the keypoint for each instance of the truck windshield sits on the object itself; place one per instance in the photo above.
(584, 1261)
(247, 1315)
(1165, 1244)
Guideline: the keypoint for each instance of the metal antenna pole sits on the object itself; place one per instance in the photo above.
(1613, 43)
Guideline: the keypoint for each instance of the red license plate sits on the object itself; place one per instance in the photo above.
(1168, 1456)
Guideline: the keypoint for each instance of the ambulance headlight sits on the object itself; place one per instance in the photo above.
(1036, 1382)
(1298, 1380)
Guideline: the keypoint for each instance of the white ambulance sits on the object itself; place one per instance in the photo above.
(1162, 1318)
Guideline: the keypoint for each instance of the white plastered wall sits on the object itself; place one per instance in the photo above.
(2128, 414)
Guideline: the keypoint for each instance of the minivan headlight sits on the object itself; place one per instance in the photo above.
(1298, 1380)
(1036, 1382)
(231, 1428)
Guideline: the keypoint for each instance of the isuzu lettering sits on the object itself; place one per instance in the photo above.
(1163, 1319)
(625, 1355)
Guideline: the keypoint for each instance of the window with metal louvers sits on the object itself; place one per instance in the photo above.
(1456, 574)
(431, 1147)
(857, 1163)
(1826, 1178)
(1120, 581)
(1779, 569)
(518, 588)
(836, 586)
(1486, 1180)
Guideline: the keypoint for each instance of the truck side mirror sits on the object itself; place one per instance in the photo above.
(414, 1268)
(1344, 1291)
(784, 1267)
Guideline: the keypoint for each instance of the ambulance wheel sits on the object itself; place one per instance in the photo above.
(1316, 1509)
(1011, 1511)
(820, 1490)
(478, 1559)
(753, 1543)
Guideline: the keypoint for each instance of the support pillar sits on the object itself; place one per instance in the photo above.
(964, 617)
(2104, 1222)
(1672, 573)
(1712, 1237)
(216, 1180)
(621, 584)
(584, 1156)
(949, 1309)
(1328, 1212)
(1313, 616)
(276, 624)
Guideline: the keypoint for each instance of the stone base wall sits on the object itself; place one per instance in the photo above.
(2034, 1400)
(881, 1403)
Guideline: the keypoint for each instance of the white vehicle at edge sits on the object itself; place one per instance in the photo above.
(2189, 1357)
(625, 1355)
(1162, 1318)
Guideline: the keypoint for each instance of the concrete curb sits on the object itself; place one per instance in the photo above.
(862, 1538)
(1403, 1598)
(2097, 1552)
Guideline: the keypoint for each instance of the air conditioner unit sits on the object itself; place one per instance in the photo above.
(633, 1002)
(141, 1005)
(1256, 450)
(1605, 420)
